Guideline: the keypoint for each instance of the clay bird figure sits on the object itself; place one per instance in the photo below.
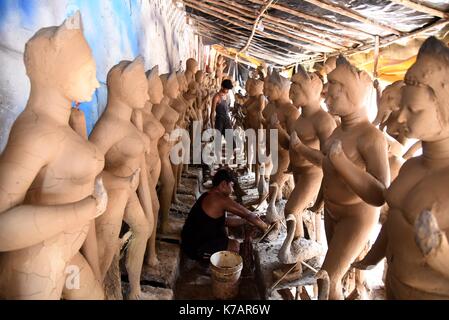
(300, 249)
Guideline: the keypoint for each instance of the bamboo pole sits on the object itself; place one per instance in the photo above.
(294, 27)
(256, 22)
(320, 20)
(353, 15)
(213, 11)
(422, 8)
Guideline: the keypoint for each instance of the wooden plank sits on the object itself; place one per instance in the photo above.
(422, 8)
(353, 15)
(211, 9)
(320, 20)
(255, 25)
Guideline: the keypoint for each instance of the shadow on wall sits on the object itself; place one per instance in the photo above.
(115, 30)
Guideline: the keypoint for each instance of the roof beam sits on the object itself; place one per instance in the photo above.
(202, 6)
(298, 28)
(320, 20)
(256, 22)
(353, 15)
(422, 8)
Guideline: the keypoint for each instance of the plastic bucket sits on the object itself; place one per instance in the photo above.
(226, 267)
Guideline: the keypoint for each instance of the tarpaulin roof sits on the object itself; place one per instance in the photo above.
(285, 32)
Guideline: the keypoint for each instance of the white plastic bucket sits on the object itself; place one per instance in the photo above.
(226, 267)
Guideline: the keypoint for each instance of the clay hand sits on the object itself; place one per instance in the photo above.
(101, 196)
(295, 142)
(274, 121)
(362, 265)
(167, 137)
(336, 149)
(134, 180)
(428, 235)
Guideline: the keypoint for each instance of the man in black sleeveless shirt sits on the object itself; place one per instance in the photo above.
(204, 231)
(219, 116)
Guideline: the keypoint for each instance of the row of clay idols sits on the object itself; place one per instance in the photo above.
(354, 162)
(62, 197)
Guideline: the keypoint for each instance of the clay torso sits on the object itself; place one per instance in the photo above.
(335, 189)
(154, 130)
(308, 134)
(407, 197)
(64, 179)
(253, 111)
(124, 157)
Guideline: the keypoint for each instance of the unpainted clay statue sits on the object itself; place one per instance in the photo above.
(168, 117)
(356, 172)
(219, 70)
(154, 129)
(191, 69)
(50, 191)
(414, 237)
(254, 107)
(280, 114)
(313, 127)
(125, 146)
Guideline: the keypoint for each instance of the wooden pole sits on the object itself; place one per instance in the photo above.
(255, 25)
(213, 11)
(422, 8)
(353, 15)
(320, 20)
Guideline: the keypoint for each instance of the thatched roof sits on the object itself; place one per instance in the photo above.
(285, 32)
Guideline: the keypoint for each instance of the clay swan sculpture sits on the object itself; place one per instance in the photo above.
(272, 212)
(300, 249)
(262, 187)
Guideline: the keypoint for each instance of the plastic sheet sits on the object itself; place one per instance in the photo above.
(288, 48)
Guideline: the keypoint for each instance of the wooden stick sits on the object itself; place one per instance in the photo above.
(423, 8)
(211, 9)
(320, 20)
(256, 22)
(297, 26)
(353, 15)
(266, 232)
(283, 277)
(294, 28)
(376, 56)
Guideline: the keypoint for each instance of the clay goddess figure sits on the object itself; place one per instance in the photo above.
(168, 117)
(125, 146)
(313, 127)
(50, 192)
(356, 172)
(414, 237)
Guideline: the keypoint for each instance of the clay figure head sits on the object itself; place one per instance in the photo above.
(199, 76)
(389, 102)
(182, 81)
(425, 97)
(171, 85)
(59, 57)
(254, 87)
(305, 87)
(348, 88)
(128, 83)
(155, 87)
(192, 65)
(278, 87)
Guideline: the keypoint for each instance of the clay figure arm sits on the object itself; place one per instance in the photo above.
(283, 136)
(411, 151)
(325, 128)
(239, 210)
(319, 202)
(25, 225)
(369, 185)
(432, 242)
(143, 190)
(314, 156)
(212, 110)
